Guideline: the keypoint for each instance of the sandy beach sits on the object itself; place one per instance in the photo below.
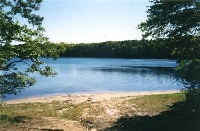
(93, 97)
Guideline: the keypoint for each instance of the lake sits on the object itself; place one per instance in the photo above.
(99, 75)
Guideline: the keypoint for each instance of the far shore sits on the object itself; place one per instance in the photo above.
(93, 97)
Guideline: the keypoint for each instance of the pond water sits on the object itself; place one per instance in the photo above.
(98, 75)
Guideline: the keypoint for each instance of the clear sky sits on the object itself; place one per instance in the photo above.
(87, 21)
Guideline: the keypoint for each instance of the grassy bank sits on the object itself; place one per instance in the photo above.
(123, 113)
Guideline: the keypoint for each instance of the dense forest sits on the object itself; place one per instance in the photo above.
(119, 49)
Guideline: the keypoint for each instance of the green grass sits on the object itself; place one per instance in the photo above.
(157, 103)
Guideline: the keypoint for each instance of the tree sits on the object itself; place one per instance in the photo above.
(22, 42)
(177, 22)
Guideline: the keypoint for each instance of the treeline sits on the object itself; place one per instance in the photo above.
(119, 49)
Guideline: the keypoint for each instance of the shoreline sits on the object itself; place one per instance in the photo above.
(83, 97)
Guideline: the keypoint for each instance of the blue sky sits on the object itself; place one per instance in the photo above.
(87, 21)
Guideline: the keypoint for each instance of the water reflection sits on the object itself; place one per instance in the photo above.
(146, 71)
(83, 75)
(135, 70)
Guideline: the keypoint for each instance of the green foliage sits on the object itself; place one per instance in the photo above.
(189, 70)
(172, 19)
(22, 41)
(119, 49)
(178, 22)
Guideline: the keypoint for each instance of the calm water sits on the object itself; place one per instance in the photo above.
(93, 75)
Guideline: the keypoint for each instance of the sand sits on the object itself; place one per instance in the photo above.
(93, 97)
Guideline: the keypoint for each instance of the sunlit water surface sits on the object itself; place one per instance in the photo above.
(99, 75)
